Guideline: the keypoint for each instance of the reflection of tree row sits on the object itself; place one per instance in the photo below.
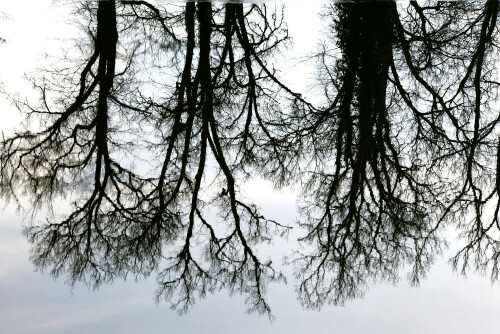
(405, 143)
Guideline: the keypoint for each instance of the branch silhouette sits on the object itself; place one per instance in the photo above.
(151, 127)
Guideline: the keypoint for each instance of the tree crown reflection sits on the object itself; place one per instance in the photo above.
(405, 144)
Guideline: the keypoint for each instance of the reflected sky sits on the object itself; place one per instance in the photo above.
(32, 302)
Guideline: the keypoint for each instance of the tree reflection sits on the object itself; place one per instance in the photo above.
(405, 144)
(208, 122)
(367, 213)
(399, 141)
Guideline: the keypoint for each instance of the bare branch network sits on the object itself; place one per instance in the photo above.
(160, 112)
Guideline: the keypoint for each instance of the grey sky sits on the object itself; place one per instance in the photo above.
(32, 302)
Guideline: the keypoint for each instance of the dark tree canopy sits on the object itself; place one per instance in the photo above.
(166, 110)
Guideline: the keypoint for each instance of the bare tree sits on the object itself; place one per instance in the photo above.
(210, 123)
(392, 146)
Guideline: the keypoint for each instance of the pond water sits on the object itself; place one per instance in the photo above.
(162, 159)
